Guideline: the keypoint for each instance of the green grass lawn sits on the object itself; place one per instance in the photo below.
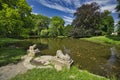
(52, 74)
(8, 39)
(105, 39)
(8, 53)
(4, 41)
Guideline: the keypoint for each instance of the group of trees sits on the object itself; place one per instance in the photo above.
(15, 18)
(118, 10)
(90, 21)
(17, 21)
(46, 27)
(40, 23)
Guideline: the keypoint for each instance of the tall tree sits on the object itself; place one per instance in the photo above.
(67, 30)
(86, 20)
(15, 18)
(107, 23)
(118, 7)
(118, 10)
(40, 23)
(56, 27)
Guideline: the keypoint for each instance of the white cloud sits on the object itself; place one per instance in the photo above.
(100, 2)
(68, 1)
(116, 21)
(109, 7)
(32, 6)
(67, 19)
(34, 13)
(77, 3)
(105, 5)
(67, 6)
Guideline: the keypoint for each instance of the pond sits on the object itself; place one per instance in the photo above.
(96, 58)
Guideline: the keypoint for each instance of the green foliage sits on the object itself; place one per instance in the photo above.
(4, 41)
(89, 21)
(107, 23)
(86, 20)
(118, 10)
(44, 33)
(118, 28)
(56, 27)
(14, 18)
(10, 55)
(118, 7)
(53, 32)
(67, 30)
(40, 23)
(52, 74)
(11, 50)
(17, 21)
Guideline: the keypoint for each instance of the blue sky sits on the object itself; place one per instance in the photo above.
(66, 8)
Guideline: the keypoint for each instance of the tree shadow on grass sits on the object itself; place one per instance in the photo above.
(10, 55)
(11, 52)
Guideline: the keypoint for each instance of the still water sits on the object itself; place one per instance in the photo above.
(94, 57)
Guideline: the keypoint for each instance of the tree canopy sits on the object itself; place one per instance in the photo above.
(56, 27)
(107, 22)
(87, 18)
(17, 21)
(40, 23)
(15, 18)
(118, 10)
(89, 21)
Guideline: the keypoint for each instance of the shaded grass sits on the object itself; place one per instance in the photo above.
(8, 52)
(8, 39)
(5, 41)
(52, 74)
(10, 55)
(116, 38)
(11, 50)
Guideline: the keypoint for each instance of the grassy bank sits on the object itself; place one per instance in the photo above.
(114, 40)
(52, 74)
(9, 53)
(5, 41)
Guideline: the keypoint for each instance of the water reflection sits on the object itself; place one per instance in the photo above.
(110, 66)
(112, 58)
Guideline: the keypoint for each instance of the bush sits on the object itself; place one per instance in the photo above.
(44, 33)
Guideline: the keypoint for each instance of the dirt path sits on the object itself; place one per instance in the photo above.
(11, 70)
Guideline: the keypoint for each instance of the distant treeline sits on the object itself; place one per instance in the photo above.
(16, 21)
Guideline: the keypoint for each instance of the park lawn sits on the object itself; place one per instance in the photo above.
(106, 40)
(9, 54)
(51, 74)
(114, 40)
(5, 41)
